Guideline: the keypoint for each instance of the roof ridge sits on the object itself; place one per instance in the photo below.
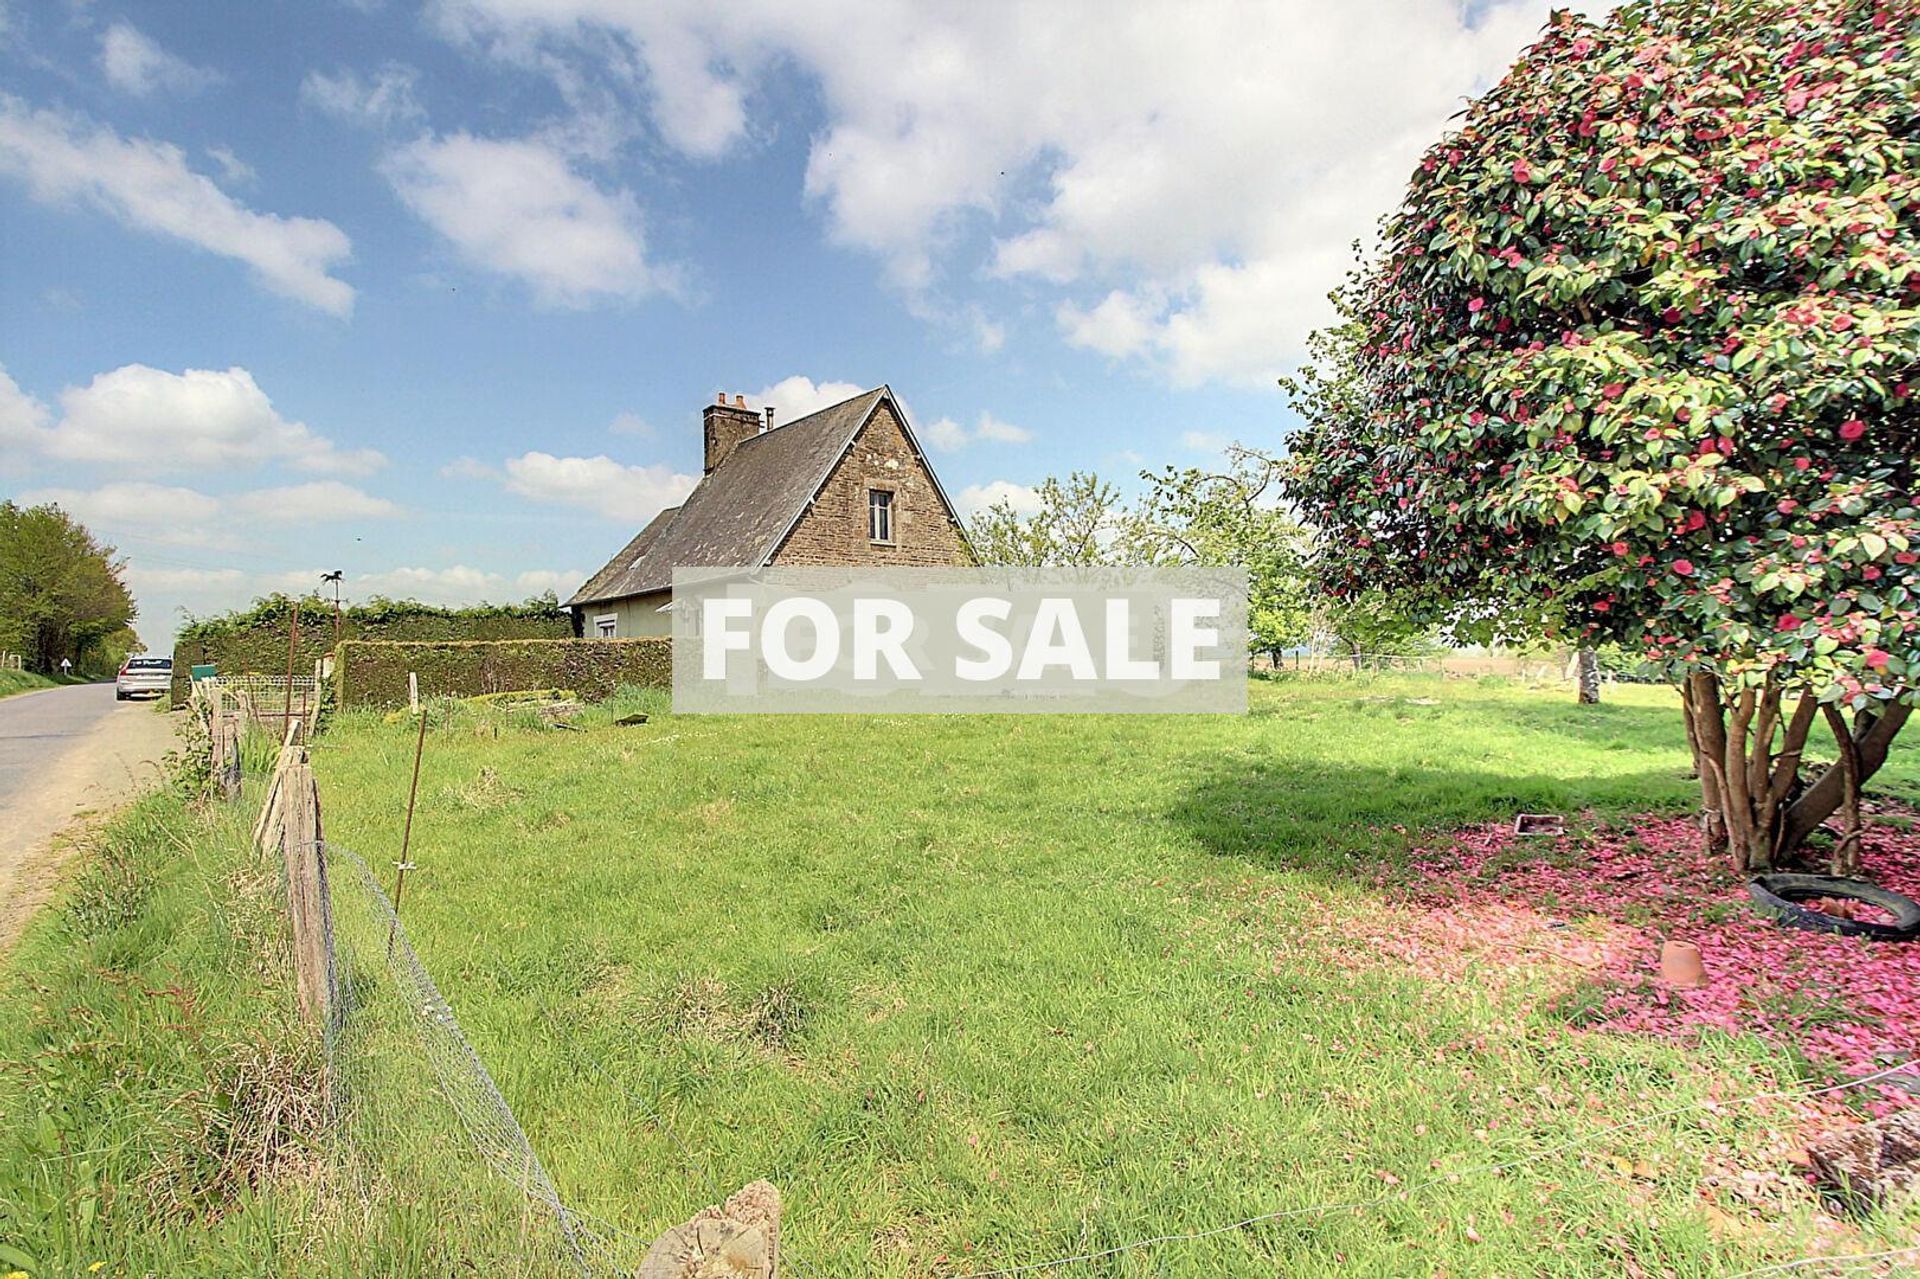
(838, 404)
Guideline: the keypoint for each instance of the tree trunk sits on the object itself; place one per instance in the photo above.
(1870, 739)
(1588, 663)
(1747, 757)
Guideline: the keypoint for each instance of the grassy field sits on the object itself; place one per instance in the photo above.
(980, 992)
(973, 992)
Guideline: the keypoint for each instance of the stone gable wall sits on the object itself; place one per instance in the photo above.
(834, 528)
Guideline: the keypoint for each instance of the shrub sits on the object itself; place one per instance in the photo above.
(374, 673)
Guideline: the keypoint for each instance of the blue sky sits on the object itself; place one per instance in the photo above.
(433, 292)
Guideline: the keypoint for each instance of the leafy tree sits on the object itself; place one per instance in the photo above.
(1232, 517)
(61, 595)
(1366, 625)
(1080, 521)
(1635, 365)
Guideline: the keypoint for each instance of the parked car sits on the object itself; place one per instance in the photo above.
(143, 675)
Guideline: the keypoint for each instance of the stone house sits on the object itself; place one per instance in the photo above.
(846, 485)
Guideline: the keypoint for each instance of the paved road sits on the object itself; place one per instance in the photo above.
(64, 753)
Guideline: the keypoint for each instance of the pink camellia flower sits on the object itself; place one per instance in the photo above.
(1613, 390)
(1788, 622)
(1877, 658)
(1620, 548)
(1477, 305)
(1788, 506)
(1852, 429)
(1683, 567)
(1521, 173)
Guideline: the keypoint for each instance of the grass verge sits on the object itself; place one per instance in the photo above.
(12, 682)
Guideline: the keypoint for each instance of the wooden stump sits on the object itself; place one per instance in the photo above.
(1874, 1165)
(739, 1239)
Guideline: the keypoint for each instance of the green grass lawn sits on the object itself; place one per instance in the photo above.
(978, 992)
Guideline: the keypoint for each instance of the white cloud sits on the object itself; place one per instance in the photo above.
(463, 584)
(157, 512)
(1203, 441)
(146, 419)
(469, 468)
(380, 101)
(171, 515)
(1121, 325)
(313, 503)
(948, 435)
(992, 428)
(1183, 176)
(517, 208)
(232, 167)
(945, 434)
(134, 64)
(797, 396)
(631, 424)
(633, 494)
(23, 422)
(978, 497)
(147, 185)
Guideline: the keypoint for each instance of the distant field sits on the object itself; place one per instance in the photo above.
(978, 992)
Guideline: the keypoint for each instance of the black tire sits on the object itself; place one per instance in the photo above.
(1777, 895)
(119, 696)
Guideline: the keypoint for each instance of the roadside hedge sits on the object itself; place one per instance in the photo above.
(374, 672)
(254, 640)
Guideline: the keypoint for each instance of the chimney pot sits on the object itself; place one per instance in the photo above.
(740, 401)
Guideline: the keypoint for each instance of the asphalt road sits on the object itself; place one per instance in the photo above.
(65, 753)
(36, 728)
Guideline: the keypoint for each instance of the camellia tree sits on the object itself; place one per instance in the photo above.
(1635, 364)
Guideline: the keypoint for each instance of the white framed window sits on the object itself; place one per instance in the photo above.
(605, 625)
(879, 515)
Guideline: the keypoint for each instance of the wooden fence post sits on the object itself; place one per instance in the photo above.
(308, 904)
(229, 738)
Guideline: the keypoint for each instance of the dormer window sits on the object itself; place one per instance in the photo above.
(879, 515)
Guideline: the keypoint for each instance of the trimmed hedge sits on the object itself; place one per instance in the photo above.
(374, 672)
(255, 640)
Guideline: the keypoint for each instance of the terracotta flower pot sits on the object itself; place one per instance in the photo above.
(1680, 965)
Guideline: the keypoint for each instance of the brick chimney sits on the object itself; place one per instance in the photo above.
(727, 425)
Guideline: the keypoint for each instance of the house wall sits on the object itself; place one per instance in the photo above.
(636, 616)
(834, 528)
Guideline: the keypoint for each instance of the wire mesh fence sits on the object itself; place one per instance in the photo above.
(413, 1100)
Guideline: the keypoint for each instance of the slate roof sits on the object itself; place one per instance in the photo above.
(740, 513)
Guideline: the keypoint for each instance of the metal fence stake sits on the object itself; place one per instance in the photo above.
(406, 835)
